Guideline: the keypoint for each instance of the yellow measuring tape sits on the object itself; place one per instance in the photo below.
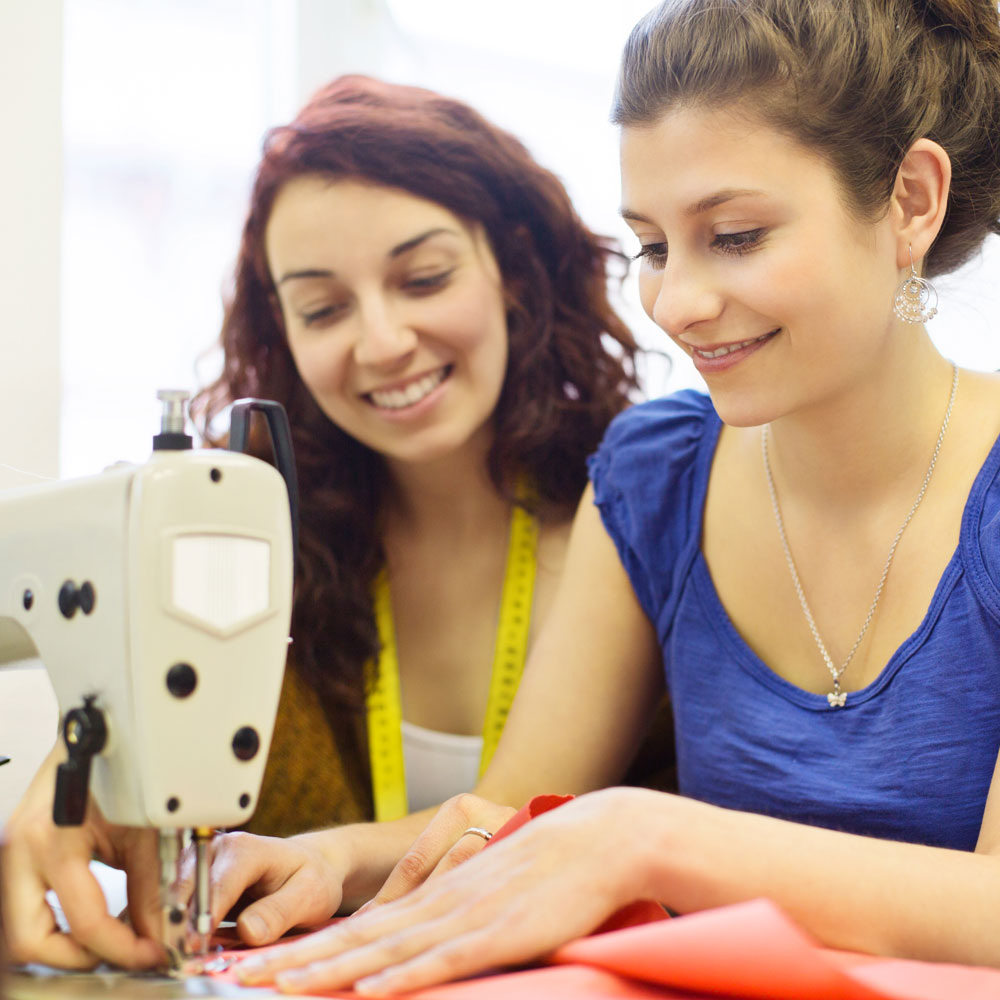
(385, 713)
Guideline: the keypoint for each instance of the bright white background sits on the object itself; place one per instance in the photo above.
(165, 106)
(132, 170)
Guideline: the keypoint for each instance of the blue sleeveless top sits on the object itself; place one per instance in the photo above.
(910, 757)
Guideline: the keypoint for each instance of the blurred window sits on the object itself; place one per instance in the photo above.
(166, 103)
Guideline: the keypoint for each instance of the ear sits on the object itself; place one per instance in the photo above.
(919, 200)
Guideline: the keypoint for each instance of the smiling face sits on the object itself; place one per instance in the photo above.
(393, 308)
(753, 264)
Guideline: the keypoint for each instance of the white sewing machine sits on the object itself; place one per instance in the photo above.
(159, 597)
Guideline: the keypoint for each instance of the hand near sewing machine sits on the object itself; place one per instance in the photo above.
(304, 880)
(554, 880)
(290, 882)
(39, 856)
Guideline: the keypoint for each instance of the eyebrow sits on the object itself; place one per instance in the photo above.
(397, 251)
(409, 245)
(705, 205)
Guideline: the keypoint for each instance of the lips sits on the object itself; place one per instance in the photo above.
(723, 350)
(410, 394)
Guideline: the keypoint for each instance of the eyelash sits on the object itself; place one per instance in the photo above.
(739, 243)
(729, 243)
(419, 286)
(431, 282)
(327, 312)
(308, 319)
(655, 253)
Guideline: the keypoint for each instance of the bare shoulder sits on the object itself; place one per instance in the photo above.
(977, 414)
(553, 538)
(553, 541)
(987, 383)
(982, 387)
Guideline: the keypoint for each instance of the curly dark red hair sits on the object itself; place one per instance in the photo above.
(571, 358)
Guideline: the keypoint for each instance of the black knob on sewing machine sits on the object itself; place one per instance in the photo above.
(85, 734)
(72, 597)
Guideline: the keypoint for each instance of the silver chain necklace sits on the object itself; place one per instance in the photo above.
(836, 697)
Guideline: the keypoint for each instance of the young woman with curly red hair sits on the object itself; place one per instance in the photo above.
(424, 301)
(515, 384)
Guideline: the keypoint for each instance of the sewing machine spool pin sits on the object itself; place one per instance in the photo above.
(172, 436)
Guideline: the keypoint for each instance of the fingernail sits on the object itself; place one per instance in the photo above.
(289, 981)
(250, 970)
(254, 926)
(372, 986)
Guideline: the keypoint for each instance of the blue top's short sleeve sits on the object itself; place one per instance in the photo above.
(669, 441)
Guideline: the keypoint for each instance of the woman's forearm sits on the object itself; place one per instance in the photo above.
(851, 892)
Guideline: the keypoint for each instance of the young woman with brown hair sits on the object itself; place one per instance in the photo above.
(425, 411)
(424, 301)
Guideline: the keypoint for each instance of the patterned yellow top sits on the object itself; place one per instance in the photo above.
(317, 772)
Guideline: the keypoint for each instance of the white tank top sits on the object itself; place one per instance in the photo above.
(438, 765)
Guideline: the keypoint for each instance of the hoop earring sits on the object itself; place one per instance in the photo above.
(916, 298)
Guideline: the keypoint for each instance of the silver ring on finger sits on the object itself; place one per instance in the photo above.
(478, 831)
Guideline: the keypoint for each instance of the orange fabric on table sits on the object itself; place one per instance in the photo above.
(750, 950)
(747, 951)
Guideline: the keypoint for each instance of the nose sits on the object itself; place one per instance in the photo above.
(681, 296)
(384, 340)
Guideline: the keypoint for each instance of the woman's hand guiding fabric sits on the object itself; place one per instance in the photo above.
(291, 881)
(554, 880)
(444, 845)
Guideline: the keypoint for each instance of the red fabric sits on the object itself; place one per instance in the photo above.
(751, 950)
(538, 805)
(748, 951)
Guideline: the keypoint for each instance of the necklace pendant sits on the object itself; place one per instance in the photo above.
(838, 698)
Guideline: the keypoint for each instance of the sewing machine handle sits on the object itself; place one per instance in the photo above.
(281, 441)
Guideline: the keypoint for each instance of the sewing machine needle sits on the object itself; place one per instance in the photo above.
(202, 890)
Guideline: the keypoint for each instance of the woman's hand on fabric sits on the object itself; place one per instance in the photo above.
(554, 880)
(39, 856)
(289, 882)
(459, 830)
